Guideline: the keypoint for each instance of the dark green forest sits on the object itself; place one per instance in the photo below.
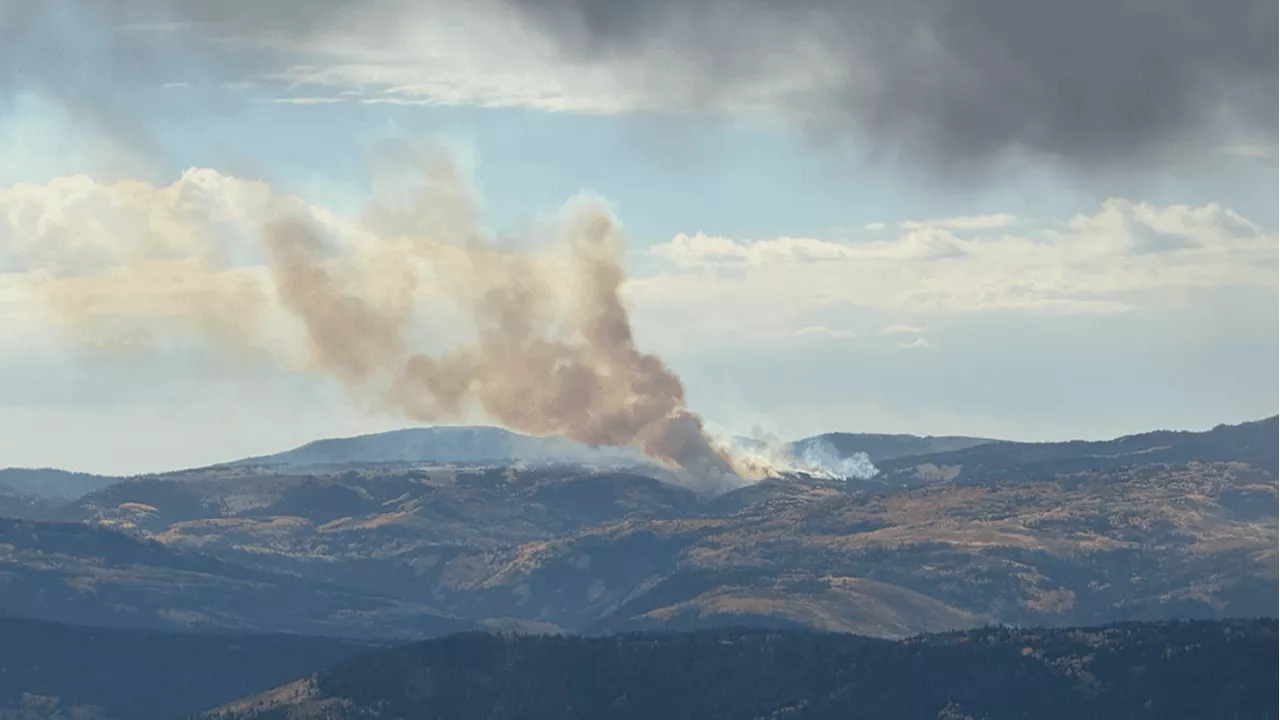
(1165, 670)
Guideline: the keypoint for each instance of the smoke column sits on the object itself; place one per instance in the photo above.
(582, 377)
(546, 346)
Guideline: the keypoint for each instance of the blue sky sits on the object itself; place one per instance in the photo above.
(796, 284)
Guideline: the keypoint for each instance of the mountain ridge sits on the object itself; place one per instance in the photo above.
(1072, 533)
(51, 483)
(1207, 670)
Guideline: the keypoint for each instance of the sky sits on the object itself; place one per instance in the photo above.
(1024, 220)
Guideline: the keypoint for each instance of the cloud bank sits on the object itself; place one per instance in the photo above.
(955, 85)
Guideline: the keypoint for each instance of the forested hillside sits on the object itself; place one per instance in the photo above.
(1161, 671)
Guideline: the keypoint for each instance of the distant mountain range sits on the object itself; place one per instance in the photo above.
(494, 445)
(1144, 527)
(459, 445)
(1253, 443)
(443, 445)
(424, 533)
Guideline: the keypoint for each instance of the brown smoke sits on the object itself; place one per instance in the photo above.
(548, 348)
(552, 353)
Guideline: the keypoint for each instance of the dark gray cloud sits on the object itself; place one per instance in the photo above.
(1087, 81)
(952, 84)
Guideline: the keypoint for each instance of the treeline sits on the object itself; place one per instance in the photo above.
(1197, 670)
(53, 670)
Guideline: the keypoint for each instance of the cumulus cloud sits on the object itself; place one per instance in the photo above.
(1108, 261)
(547, 344)
(702, 249)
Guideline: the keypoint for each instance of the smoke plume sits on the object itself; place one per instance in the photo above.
(546, 345)
(575, 373)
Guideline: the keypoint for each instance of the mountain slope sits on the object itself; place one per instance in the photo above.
(1084, 537)
(496, 445)
(604, 552)
(1205, 670)
(1139, 543)
(77, 573)
(1254, 443)
(887, 447)
(139, 674)
(50, 483)
(442, 445)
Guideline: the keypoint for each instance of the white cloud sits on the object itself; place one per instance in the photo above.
(120, 265)
(700, 249)
(919, 342)
(873, 226)
(1117, 259)
(900, 330)
(824, 331)
(964, 222)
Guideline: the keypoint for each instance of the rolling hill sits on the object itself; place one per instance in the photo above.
(1252, 443)
(47, 483)
(1202, 670)
(51, 670)
(83, 574)
(1155, 526)
(477, 445)
(443, 445)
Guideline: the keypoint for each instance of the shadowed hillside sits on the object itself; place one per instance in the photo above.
(138, 674)
(1253, 443)
(50, 483)
(1161, 671)
(78, 573)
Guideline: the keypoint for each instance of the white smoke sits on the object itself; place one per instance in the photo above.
(764, 456)
(820, 457)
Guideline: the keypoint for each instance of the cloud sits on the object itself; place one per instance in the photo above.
(823, 331)
(919, 342)
(1091, 83)
(957, 83)
(900, 330)
(1122, 256)
(700, 249)
(964, 222)
(210, 259)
